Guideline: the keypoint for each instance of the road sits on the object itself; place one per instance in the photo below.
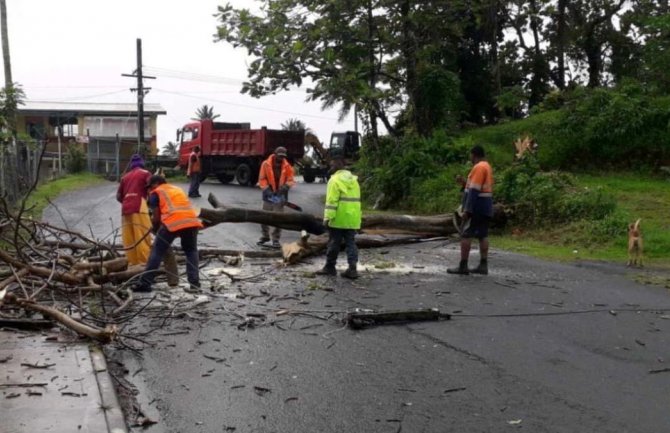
(534, 346)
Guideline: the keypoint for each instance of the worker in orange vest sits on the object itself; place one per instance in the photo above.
(477, 213)
(275, 179)
(193, 172)
(173, 216)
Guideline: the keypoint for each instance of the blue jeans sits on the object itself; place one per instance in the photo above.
(194, 186)
(335, 242)
(163, 240)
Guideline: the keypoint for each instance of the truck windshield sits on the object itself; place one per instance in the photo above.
(189, 134)
(337, 141)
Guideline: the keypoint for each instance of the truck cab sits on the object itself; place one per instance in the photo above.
(345, 143)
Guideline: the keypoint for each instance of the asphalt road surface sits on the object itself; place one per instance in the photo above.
(534, 346)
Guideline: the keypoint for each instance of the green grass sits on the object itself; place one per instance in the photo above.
(637, 197)
(37, 201)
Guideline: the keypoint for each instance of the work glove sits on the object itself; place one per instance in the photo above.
(267, 194)
(284, 189)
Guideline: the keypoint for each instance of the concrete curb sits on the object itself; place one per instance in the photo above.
(116, 422)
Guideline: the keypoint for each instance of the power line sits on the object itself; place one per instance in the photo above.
(76, 98)
(293, 113)
(192, 76)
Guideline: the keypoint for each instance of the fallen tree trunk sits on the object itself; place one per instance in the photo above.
(437, 225)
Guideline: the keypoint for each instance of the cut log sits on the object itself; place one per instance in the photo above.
(295, 221)
(437, 225)
(360, 319)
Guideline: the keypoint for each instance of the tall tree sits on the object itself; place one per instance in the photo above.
(5, 44)
(205, 113)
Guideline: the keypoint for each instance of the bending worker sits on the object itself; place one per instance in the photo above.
(342, 217)
(173, 217)
(275, 179)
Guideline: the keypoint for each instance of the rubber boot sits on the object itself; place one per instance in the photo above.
(327, 270)
(171, 269)
(350, 273)
(482, 269)
(462, 268)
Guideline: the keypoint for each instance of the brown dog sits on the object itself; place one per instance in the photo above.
(635, 248)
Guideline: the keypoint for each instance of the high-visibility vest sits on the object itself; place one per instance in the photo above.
(193, 166)
(267, 176)
(343, 201)
(177, 213)
(481, 179)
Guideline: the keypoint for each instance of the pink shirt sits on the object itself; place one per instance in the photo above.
(132, 189)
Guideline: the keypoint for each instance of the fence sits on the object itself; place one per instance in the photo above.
(104, 157)
(20, 168)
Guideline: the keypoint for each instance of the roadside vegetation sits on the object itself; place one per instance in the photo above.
(39, 199)
(591, 176)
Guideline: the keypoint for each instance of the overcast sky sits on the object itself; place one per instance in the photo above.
(76, 50)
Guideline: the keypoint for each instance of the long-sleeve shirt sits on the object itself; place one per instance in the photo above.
(132, 189)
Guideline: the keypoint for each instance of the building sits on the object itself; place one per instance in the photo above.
(107, 132)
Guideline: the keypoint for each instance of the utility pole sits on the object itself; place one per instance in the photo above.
(141, 91)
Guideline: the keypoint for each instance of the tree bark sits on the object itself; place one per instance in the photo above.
(5, 44)
(438, 225)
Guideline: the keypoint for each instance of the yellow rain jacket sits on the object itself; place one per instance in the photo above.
(343, 201)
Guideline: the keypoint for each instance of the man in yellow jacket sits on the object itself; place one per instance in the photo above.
(342, 217)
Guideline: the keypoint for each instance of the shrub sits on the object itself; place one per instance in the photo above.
(395, 167)
(542, 198)
(75, 159)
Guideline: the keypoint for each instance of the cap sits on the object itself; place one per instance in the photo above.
(280, 151)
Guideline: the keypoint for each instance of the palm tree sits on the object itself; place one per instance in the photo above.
(294, 125)
(205, 113)
(171, 149)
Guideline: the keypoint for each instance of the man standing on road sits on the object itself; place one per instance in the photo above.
(342, 216)
(173, 217)
(477, 212)
(193, 172)
(135, 221)
(275, 179)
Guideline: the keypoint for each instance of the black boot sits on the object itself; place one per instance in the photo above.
(462, 268)
(350, 273)
(482, 269)
(327, 270)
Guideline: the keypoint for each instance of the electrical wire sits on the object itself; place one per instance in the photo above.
(243, 105)
(565, 313)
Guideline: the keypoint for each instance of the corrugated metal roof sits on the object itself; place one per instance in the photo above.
(87, 108)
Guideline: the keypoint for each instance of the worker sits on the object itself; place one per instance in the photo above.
(194, 172)
(275, 179)
(342, 217)
(135, 221)
(173, 216)
(477, 212)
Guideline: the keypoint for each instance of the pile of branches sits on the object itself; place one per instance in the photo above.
(63, 275)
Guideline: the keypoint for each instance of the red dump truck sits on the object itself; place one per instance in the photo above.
(233, 150)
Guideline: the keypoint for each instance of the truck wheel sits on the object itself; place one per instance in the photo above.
(243, 175)
(308, 177)
(224, 178)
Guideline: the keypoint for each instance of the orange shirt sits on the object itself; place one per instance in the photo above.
(481, 179)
